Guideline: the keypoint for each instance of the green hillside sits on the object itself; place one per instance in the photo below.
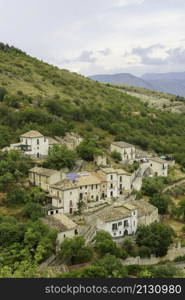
(160, 100)
(36, 95)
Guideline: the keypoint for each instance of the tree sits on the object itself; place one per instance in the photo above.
(180, 210)
(161, 202)
(153, 185)
(112, 265)
(74, 251)
(116, 156)
(157, 237)
(33, 211)
(104, 244)
(18, 196)
(87, 149)
(60, 157)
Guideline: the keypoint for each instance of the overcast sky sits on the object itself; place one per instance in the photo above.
(98, 36)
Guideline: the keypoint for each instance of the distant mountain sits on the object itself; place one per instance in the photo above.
(173, 83)
(122, 78)
(164, 76)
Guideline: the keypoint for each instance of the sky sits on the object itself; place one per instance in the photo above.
(99, 36)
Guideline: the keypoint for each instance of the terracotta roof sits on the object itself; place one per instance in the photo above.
(60, 222)
(43, 171)
(123, 144)
(32, 134)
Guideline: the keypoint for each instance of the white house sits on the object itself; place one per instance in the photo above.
(65, 197)
(66, 227)
(127, 151)
(33, 144)
(158, 166)
(118, 181)
(118, 220)
(43, 178)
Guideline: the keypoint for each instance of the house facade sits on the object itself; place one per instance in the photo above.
(33, 144)
(158, 166)
(118, 220)
(127, 151)
(43, 178)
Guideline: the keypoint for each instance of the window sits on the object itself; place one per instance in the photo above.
(111, 186)
(96, 186)
(120, 178)
(70, 193)
(37, 141)
(126, 223)
(120, 186)
(119, 223)
(114, 226)
(60, 201)
(45, 140)
(81, 187)
(91, 187)
(57, 211)
(111, 194)
(111, 177)
(86, 186)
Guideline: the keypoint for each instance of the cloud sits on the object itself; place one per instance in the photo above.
(86, 56)
(105, 52)
(128, 2)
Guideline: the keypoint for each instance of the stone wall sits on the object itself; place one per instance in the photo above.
(175, 251)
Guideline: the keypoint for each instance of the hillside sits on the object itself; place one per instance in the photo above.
(35, 95)
(159, 100)
(173, 83)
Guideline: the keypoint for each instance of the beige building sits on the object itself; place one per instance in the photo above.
(66, 227)
(65, 197)
(147, 213)
(43, 178)
(127, 151)
(100, 160)
(119, 220)
(158, 166)
(70, 140)
(118, 181)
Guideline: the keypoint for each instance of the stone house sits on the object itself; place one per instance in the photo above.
(66, 227)
(147, 213)
(118, 181)
(43, 178)
(70, 140)
(127, 151)
(100, 160)
(65, 197)
(118, 220)
(158, 166)
(33, 144)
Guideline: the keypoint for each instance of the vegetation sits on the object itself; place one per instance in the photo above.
(23, 246)
(154, 239)
(60, 157)
(73, 251)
